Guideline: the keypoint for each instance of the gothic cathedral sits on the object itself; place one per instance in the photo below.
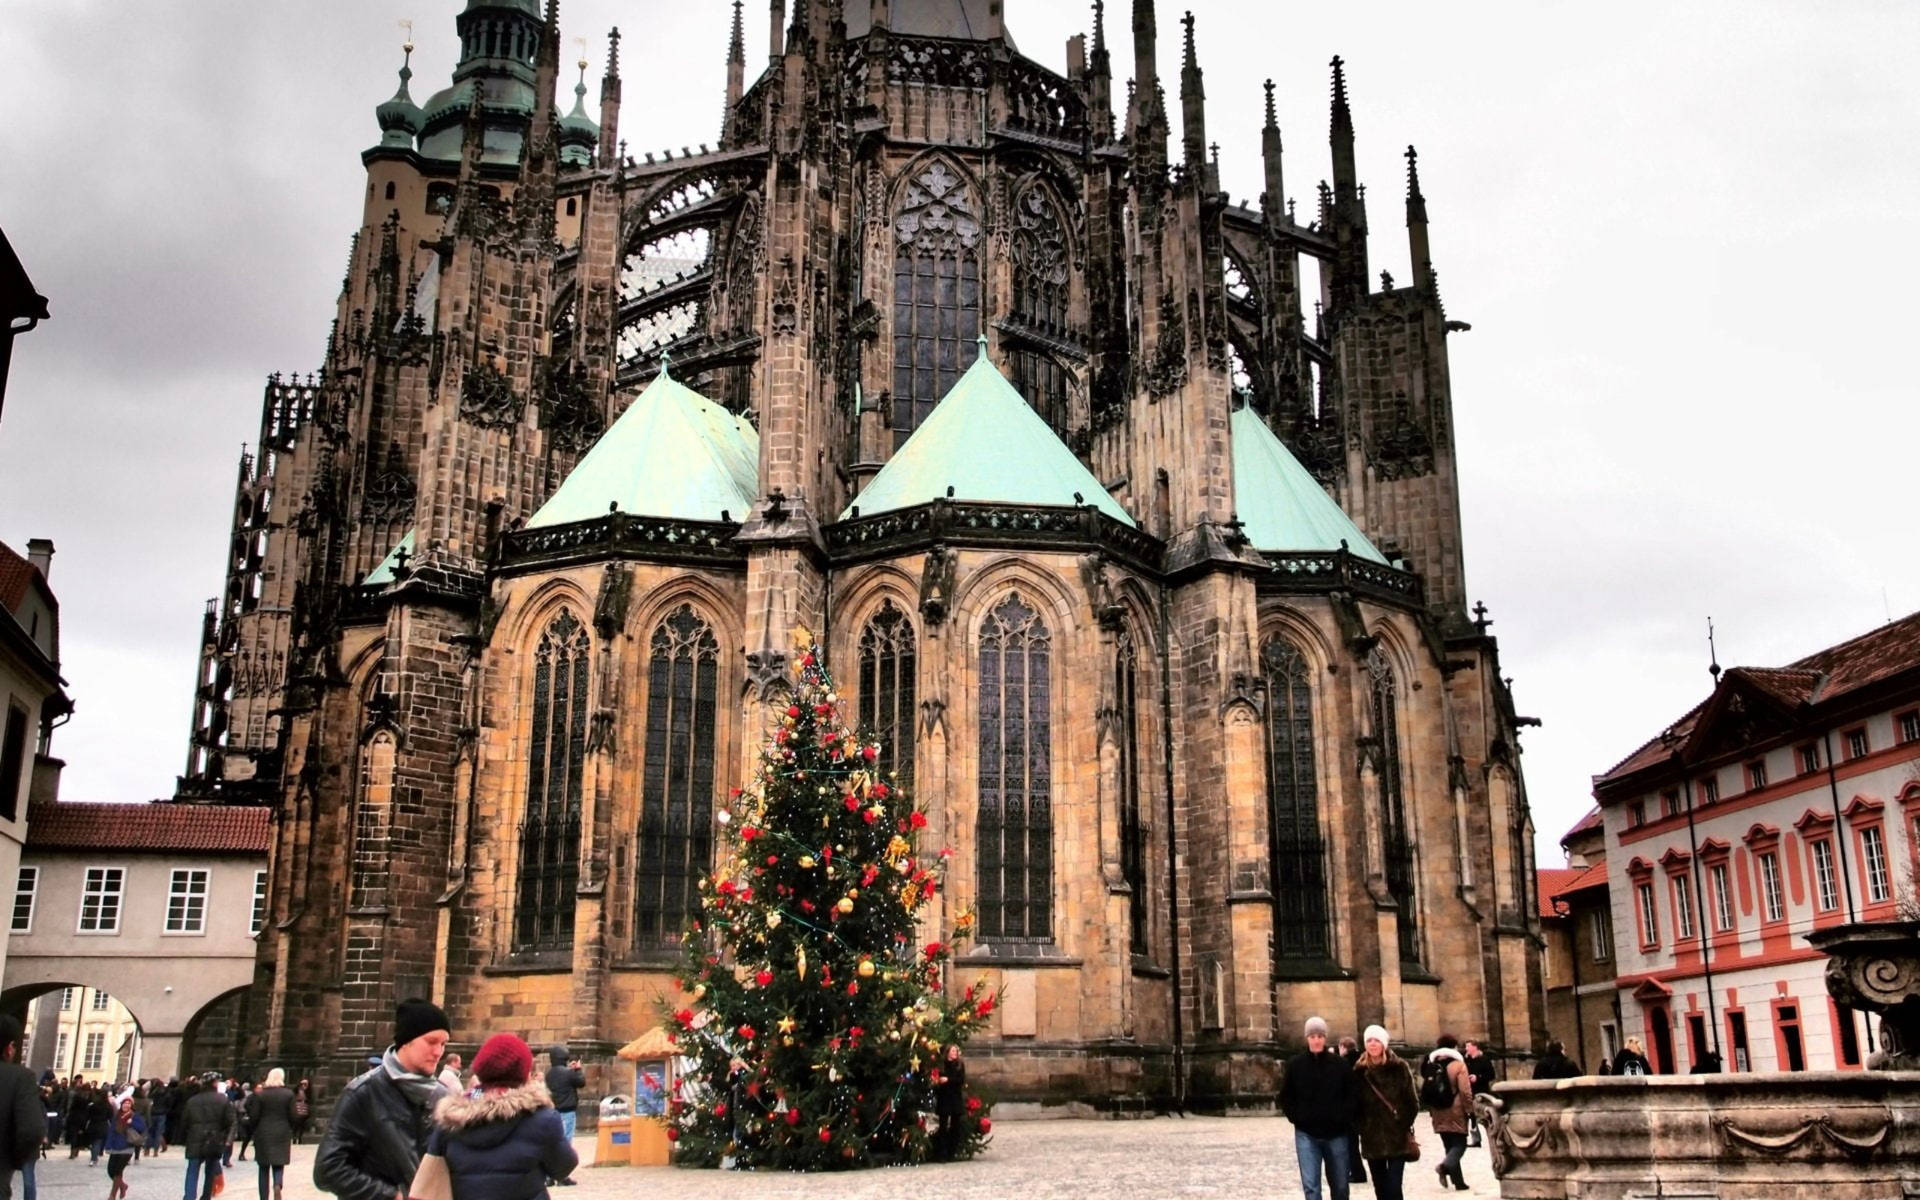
(1152, 587)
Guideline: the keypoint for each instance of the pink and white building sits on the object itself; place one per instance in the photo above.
(1786, 801)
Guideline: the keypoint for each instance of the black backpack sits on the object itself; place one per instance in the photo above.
(1436, 1089)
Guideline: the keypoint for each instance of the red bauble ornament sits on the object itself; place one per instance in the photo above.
(746, 1031)
(826, 1135)
(986, 1125)
(918, 820)
(793, 1116)
(673, 1135)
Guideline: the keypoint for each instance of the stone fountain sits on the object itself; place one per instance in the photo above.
(1839, 1135)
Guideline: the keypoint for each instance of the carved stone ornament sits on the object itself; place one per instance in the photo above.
(938, 213)
(767, 673)
(487, 398)
(936, 584)
(569, 415)
(1102, 580)
(1168, 370)
(786, 301)
(1876, 966)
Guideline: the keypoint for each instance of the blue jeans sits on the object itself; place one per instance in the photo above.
(1315, 1153)
(1456, 1144)
(211, 1164)
(568, 1120)
(1387, 1174)
(26, 1173)
(279, 1176)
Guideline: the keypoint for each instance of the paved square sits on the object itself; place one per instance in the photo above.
(1030, 1160)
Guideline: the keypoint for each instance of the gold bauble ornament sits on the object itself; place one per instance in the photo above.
(845, 905)
(865, 968)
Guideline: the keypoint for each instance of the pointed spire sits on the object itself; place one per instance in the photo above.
(1340, 136)
(1340, 90)
(1100, 76)
(610, 103)
(1273, 202)
(736, 72)
(1418, 249)
(777, 31)
(737, 46)
(1193, 104)
(400, 118)
(1146, 75)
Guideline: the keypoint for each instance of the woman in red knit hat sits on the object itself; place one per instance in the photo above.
(504, 1140)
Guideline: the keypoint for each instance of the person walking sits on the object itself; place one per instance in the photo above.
(99, 1118)
(379, 1129)
(1555, 1064)
(1317, 1094)
(1356, 1166)
(450, 1077)
(1480, 1071)
(1388, 1105)
(205, 1123)
(126, 1133)
(1632, 1060)
(302, 1110)
(504, 1140)
(23, 1122)
(79, 1100)
(1446, 1092)
(564, 1081)
(143, 1108)
(270, 1116)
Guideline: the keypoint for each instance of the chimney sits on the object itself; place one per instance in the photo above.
(40, 554)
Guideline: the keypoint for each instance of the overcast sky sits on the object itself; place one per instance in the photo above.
(1684, 235)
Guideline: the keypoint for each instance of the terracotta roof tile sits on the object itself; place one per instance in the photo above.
(16, 575)
(1589, 877)
(161, 825)
(1552, 881)
(1585, 824)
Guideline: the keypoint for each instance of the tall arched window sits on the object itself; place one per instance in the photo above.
(1393, 809)
(1133, 830)
(373, 822)
(1293, 806)
(556, 758)
(676, 794)
(1040, 304)
(936, 292)
(1015, 825)
(887, 667)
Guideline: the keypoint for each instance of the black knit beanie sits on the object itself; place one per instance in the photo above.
(416, 1017)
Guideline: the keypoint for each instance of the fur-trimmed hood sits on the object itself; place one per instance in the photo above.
(462, 1113)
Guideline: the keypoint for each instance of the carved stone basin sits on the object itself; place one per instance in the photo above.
(1838, 1135)
(1876, 966)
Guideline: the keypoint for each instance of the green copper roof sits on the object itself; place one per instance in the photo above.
(986, 444)
(1282, 505)
(384, 572)
(673, 453)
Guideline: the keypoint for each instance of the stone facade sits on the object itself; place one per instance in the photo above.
(875, 204)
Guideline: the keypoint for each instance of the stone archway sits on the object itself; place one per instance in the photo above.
(221, 1036)
(117, 1052)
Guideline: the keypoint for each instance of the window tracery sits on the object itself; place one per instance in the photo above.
(1133, 832)
(675, 844)
(888, 667)
(1397, 841)
(1299, 862)
(936, 292)
(556, 758)
(1041, 303)
(1015, 819)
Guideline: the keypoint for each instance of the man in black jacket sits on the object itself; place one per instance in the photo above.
(1480, 1073)
(23, 1118)
(380, 1126)
(1318, 1095)
(206, 1124)
(564, 1081)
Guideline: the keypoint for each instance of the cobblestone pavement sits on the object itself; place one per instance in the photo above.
(1029, 1160)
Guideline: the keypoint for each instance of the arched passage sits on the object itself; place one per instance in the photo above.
(221, 1035)
(79, 1028)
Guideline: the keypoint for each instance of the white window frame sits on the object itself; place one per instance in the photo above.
(186, 922)
(1909, 725)
(27, 888)
(1710, 790)
(1649, 915)
(1682, 907)
(1609, 1039)
(1602, 935)
(258, 921)
(1774, 904)
(1873, 852)
(102, 1001)
(1722, 890)
(118, 892)
(60, 1043)
(66, 998)
(93, 1056)
(1826, 882)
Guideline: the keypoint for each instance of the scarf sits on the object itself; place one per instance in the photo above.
(418, 1089)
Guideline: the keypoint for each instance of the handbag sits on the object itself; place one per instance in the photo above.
(431, 1181)
(1413, 1148)
(135, 1137)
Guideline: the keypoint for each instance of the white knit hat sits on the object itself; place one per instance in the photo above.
(1376, 1032)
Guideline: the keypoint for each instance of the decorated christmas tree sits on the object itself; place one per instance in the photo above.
(818, 1020)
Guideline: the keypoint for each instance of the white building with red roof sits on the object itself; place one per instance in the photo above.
(157, 905)
(32, 694)
(1786, 801)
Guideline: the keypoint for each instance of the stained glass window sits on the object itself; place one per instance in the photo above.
(887, 667)
(676, 795)
(1299, 866)
(556, 758)
(936, 293)
(1393, 809)
(1133, 833)
(1040, 304)
(1015, 822)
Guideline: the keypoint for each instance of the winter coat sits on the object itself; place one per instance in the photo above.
(950, 1094)
(206, 1125)
(1388, 1105)
(23, 1119)
(76, 1118)
(117, 1140)
(564, 1082)
(502, 1145)
(1317, 1094)
(1480, 1071)
(374, 1142)
(1453, 1118)
(1556, 1066)
(1628, 1062)
(270, 1116)
(99, 1116)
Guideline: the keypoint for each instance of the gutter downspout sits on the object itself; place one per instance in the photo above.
(1173, 881)
(1840, 849)
(1700, 915)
